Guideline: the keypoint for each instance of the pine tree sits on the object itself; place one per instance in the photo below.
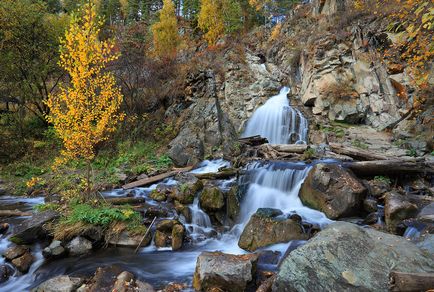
(165, 31)
(86, 111)
(190, 9)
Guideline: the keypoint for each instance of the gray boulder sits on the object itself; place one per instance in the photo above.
(396, 209)
(224, 272)
(79, 246)
(333, 190)
(59, 284)
(32, 229)
(54, 250)
(265, 229)
(346, 257)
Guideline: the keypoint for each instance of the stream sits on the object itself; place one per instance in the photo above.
(265, 184)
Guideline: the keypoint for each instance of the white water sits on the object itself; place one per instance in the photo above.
(277, 121)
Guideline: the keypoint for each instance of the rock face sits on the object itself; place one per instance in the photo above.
(332, 190)
(79, 246)
(224, 272)
(31, 229)
(264, 229)
(396, 209)
(59, 284)
(326, 262)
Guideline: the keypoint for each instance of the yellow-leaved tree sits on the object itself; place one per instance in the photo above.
(211, 20)
(85, 111)
(165, 31)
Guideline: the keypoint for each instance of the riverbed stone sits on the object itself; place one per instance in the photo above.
(169, 233)
(333, 190)
(5, 272)
(212, 199)
(79, 246)
(4, 227)
(177, 236)
(327, 261)
(60, 284)
(32, 229)
(15, 252)
(396, 209)
(264, 228)
(54, 250)
(216, 270)
(23, 262)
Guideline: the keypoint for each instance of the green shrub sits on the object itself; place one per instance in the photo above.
(383, 179)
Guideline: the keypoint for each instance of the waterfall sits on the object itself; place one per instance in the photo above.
(277, 121)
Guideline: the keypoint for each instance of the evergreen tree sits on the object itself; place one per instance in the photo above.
(190, 9)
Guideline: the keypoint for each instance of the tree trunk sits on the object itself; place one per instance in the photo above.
(356, 153)
(13, 213)
(400, 281)
(154, 179)
(392, 166)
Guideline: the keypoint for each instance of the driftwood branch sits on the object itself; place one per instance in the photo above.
(223, 174)
(393, 166)
(146, 234)
(253, 140)
(356, 153)
(13, 213)
(290, 148)
(400, 281)
(154, 179)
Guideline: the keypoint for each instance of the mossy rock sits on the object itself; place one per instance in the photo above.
(158, 196)
(212, 199)
(177, 236)
(233, 203)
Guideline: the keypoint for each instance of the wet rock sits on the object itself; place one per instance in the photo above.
(426, 243)
(94, 233)
(23, 262)
(161, 239)
(60, 284)
(370, 205)
(396, 209)
(378, 188)
(175, 287)
(233, 203)
(427, 213)
(326, 262)
(15, 252)
(5, 272)
(104, 278)
(156, 211)
(169, 233)
(158, 195)
(143, 287)
(187, 190)
(268, 257)
(32, 229)
(129, 240)
(123, 280)
(265, 229)
(54, 250)
(183, 210)
(332, 190)
(216, 270)
(4, 228)
(79, 246)
(177, 236)
(372, 218)
(212, 199)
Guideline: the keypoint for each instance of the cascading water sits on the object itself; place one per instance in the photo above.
(277, 121)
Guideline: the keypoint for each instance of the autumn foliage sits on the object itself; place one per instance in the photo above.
(86, 110)
(165, 31)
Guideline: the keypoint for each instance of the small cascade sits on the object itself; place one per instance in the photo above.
(200, 227)
(277, 121)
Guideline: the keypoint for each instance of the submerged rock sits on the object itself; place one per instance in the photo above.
(5, 272)
(396, 209)
(79, 246)
(346, 257)
(265, 229)
(32, 229)
(60, 284)
(332, 190)
(216, 270)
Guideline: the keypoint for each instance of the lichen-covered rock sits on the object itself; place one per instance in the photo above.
(332, 190)
(327, 261)
(396, 209)
(265, 229)
(212, 199)
(60, 284)
(224, 272)
(54, 250)
(79, 246)
(30, 230)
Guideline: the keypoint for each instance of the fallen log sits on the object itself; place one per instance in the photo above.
(356, 153)
(392, 166)
(125, 200)
(290, 148)
(223, 174)
(253, 140)
(400, 281)
(154, 179)
(13, 213)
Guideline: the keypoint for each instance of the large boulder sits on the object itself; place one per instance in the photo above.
(332, 190)
(79, 246)
(396, 209)
(224, 272)
(60, 284)
(32, 229)
(212, 199)
(265, 228)
(346, 257)
(187, 189)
